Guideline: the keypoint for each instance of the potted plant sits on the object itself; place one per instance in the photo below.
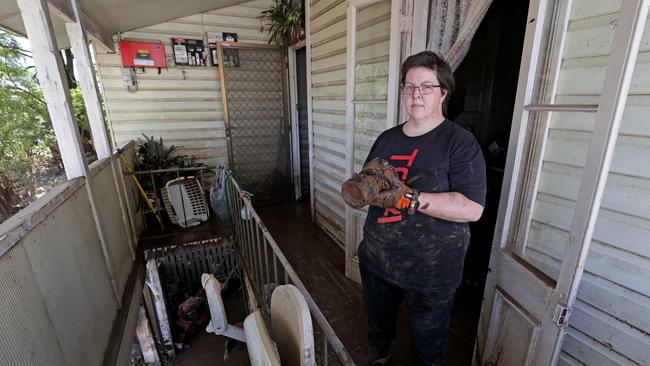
(285, 22)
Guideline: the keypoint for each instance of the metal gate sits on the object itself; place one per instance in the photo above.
(257, 129)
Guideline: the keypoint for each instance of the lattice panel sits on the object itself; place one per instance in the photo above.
(259, 129)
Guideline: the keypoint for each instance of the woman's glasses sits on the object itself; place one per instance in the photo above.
(424, 89)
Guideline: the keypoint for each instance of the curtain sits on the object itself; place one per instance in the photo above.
(451, 25)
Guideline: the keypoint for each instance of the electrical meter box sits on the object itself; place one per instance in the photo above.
(143, 54)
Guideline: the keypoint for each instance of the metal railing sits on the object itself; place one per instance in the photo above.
(266, 267)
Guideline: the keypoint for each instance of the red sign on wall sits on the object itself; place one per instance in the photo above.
(143, 54)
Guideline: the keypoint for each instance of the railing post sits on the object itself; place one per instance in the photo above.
(51, 78)
(266, 262)
(88, 83)
(49, 69)
(325, 355)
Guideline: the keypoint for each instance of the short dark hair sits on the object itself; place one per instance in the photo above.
(432, 61)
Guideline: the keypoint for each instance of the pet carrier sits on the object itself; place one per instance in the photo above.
(185, 202)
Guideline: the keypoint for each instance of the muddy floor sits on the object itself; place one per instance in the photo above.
(209, 349)
(320, 263)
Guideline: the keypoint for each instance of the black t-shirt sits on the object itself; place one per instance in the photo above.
(421, 252)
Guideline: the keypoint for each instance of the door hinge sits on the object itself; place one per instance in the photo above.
(561, 317)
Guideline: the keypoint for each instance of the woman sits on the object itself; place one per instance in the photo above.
(416, 233)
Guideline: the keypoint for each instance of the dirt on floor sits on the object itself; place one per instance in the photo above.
(209, 349)
(320, 263)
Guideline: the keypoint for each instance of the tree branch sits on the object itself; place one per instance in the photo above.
(16, 86)
(18, 50)
(34, 96)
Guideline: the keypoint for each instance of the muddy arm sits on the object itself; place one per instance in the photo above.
(451, 206)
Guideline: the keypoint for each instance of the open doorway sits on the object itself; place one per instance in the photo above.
(486, 86)
(299, 124)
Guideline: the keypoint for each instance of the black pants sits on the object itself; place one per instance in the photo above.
(428, 315)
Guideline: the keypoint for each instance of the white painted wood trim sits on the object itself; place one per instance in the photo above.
(349, 92)
(119, 177)
(392, 106)
(419, 30)
(619, 72)
(502, 298)
(310, 120)
(393, 65)
(517, 141)
(295, 126)
(64, 10)
(102, 95)
(350, 222)
(102, 240)
(361, 4)
(530, 51)
(17, 226)
(538, 132)
(121, 197)
(38, 26)
(88, 82)
(622, 59)
(588, 108)
(363, 101)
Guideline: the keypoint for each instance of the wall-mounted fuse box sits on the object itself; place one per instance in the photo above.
(189, 52)
(143, 54)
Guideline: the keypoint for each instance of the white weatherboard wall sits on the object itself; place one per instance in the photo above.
(182, 104)
(610, 323)
(328, 78)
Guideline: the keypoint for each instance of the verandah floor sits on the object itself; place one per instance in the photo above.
(320, 263)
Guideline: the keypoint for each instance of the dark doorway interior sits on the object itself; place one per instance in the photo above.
(301, 78)
(483, 103)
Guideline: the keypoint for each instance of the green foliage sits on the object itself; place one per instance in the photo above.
(81, 116)
(284, 21)
(152, 155)
(80, 109)
(27, 142)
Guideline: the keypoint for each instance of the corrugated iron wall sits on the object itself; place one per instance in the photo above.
(328, 78)
(68, 265)
(24, 320)
(181, 104)
(110, 214)
(57, 302)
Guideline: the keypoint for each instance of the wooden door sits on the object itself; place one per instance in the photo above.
(559, 155)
